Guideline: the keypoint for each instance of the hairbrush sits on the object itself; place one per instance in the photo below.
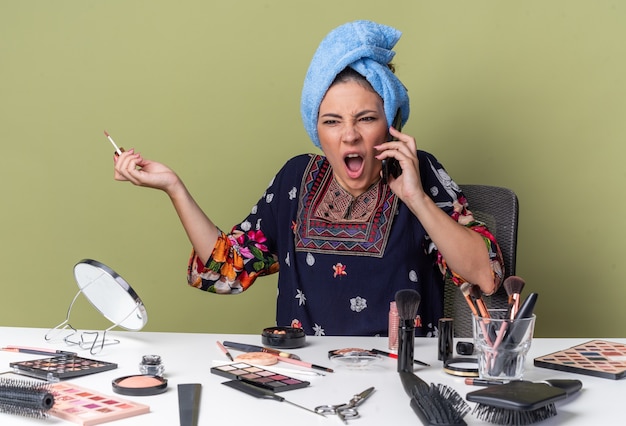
(521, 403)
(25, 398)
(434, 404)
(407, 302)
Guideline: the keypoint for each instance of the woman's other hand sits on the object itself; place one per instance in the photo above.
(131, 166)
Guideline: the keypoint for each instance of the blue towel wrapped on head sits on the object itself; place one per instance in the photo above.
(364, 46)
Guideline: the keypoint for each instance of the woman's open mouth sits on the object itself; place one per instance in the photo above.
(354, 165)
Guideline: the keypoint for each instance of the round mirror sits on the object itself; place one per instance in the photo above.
(110, 294)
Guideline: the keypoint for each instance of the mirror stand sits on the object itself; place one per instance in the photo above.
(99, 284)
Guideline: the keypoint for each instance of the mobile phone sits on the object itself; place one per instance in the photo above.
(391, 166)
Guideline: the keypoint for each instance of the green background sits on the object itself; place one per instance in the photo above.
(527, 94)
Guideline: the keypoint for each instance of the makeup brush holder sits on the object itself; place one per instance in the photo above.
(502, 344)
(109, 294)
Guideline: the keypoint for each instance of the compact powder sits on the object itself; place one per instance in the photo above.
(461, 366)
(140, 385)
(257, 358)
(139, 382)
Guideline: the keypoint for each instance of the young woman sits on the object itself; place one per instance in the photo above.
(342, 239)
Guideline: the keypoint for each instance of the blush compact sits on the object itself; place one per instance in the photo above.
(283, 337)
(140, 385)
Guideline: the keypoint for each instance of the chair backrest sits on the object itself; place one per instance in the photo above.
(498, 208)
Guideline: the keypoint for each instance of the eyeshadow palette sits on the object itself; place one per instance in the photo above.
(598, 358)
(87, 407)
(259, 376)
(60, 367)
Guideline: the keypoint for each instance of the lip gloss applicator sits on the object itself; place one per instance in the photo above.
(118, 150)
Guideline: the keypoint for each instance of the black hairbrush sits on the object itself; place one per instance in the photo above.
(436, 405)
(25, 398)
(521, 403)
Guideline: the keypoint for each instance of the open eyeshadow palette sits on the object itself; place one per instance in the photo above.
(60, 367)
(259, 377)
(87, 407)
(598, 358)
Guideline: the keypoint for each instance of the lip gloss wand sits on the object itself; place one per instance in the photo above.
(118, 150)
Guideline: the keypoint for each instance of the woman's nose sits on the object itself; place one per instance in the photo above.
(350, 134)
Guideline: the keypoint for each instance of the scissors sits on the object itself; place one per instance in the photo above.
(346, 411)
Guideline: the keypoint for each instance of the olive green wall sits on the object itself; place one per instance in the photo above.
(527, 94)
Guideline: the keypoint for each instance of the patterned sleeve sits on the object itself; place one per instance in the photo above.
(465, 217)
(449, 197)
(244, 254)
(238, 259)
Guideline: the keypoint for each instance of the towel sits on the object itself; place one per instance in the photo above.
(366, 47)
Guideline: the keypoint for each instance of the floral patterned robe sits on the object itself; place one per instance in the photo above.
(340, 259)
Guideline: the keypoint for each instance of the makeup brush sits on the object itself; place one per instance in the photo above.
(407, 302)
(525, 311)
(513, 286)
(477, 295)
(434, 404)
(25, 398)
(466, 290)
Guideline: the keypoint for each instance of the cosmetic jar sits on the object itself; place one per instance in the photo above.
(461, 366)
(283, 337)
(465, 348)
(151, 365)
